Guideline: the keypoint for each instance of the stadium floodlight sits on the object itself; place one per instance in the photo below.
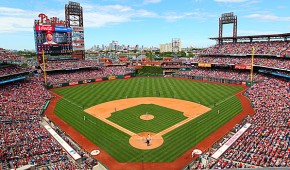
(228, 18)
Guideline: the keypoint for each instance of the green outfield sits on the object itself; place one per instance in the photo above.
(176, 142)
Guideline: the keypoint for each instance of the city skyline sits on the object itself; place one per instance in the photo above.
(146, 22)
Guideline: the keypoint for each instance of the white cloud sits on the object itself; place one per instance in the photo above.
(268, 17)
(196, 14)
(230, 1)
(151, 1)
(99, 16)
(17, 20)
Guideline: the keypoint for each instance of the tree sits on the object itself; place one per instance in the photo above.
(149, 55)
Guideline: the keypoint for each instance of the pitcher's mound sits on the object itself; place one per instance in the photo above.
(139, 140)
(146, 117)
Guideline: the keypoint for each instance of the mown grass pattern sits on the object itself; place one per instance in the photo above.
(176, 142)
(163, 118)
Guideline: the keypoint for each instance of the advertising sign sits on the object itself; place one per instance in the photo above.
(63, 143)
(73, 83)
(53, 40)
(127, 76)
(222, 149)
(99, 79)
(78, 38)
(242, 67)
(62, 29)
(44, 28)
(204, 64)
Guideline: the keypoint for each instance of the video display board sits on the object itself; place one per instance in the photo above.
(54, 40)
(78, 38)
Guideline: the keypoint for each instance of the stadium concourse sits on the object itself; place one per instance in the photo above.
(24, 140)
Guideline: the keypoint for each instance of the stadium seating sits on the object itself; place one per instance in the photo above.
(266, 143)
(23, 140)
(258, 61)
(63, 65)
(261, 48)
(12, 69)
(78, 75)
(225, 74)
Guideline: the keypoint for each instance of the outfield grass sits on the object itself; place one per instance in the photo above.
(176, 142)
(163, 118)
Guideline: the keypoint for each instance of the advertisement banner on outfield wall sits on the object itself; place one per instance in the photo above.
(112, 77)
(73, 83)
(127, 76)
(120, 76)
(99, 79)
(243, 67)
(204, 64)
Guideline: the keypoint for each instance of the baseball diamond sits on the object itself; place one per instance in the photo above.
(105, 98)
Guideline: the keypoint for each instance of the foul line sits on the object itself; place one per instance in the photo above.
(67, 100)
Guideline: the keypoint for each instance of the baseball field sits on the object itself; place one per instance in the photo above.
(81, 108)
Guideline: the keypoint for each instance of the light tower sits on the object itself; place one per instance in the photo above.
(228, 18)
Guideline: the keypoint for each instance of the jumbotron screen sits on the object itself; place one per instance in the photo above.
(54, 40)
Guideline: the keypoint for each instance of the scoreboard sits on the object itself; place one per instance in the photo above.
(54, 40)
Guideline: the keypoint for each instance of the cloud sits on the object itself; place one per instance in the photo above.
(15, 20)
(268, 17)
(195, 14)
(99, 16)
(18, 20)
(151, 1)
(230, 1)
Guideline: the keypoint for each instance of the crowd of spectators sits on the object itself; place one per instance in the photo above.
(23, 140)
(73, 64)
(84, 74)
(267, 141)
(224, 74)
(9, 57)
(204, 161)
(12, 69)
(262, 48)
(87, 161)
(281, 63)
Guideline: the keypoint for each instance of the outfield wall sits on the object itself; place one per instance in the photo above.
(72, 83)
(213, 79)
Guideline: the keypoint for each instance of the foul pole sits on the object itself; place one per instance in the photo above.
(44, 67)
(252, 66)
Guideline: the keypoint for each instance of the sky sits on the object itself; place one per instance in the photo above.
(145, 22)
